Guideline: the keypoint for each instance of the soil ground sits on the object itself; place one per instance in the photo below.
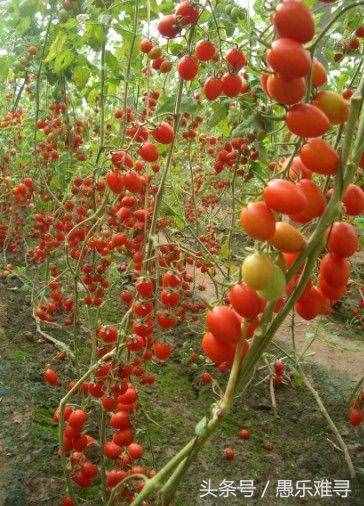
(292, 444)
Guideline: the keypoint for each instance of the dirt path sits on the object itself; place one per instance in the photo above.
(335, 346)
(332, 347)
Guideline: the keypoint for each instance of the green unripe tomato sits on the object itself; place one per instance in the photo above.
(275, 287)
(257, 271)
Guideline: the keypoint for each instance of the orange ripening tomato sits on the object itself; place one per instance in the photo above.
(294, 20)
(284, 91)
(258, 220)
(188, 67)
(287, 238)
(359, 32)
(289, 59)
(233, 85)
(333, 105)
(315, 202)
(163, 133)
(162, 351)
(284, 196)
(318, 156)
(51, 377)
(235, 58)
(149, 152)
(306, 120)
(318, 73)
(252, 327)
(115, 181)
(167, 26)
(325, 303)
(312, 304)
(205, 50)
(307, 308)
(146, 45)
(289, 258)
(186, 13)
(298, 169)
(212, 88)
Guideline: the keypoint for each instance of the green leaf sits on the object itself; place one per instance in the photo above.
(172, 211)
(176, 49)
(360, 225)
(154, 7)
(63, 61)
(28, 7)
(112, 87)
(309, 3)
(354, 20)
(4, 66)
(112, 62)
(94, 35)
(23, 25)
(166, 6)
(225, 250)
(93, 95)
(80, 76)
(297, 379)
(220, 112)
(56, 47)
(71, 23)
(187, 105)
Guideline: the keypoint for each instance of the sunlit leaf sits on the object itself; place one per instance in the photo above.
(80, 76)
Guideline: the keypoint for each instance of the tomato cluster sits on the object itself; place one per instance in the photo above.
(229, 84)
(300, 200)
(294, 71)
